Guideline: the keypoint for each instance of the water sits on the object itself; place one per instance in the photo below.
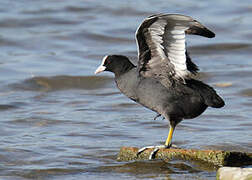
(59, 121)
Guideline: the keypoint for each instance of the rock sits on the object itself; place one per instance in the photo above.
(234, 173)
(212, 157)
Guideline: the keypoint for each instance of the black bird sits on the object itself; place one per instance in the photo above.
(163, 79)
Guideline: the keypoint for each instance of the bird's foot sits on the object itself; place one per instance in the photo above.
(158, 115)
(153, 153)
(156, 149)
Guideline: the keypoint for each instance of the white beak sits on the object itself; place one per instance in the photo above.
(100, 69)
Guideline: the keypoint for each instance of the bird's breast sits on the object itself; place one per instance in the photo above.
(127, 84)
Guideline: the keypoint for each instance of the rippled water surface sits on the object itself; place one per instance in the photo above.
(59, 121)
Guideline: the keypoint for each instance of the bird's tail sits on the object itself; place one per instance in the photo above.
(209, 95)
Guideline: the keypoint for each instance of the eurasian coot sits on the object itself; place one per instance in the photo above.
(163, 79)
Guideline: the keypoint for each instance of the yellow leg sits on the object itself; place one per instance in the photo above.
(169, 138)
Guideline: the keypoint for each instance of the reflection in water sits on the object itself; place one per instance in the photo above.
(246, 92)
(57, 83)
(151, 169)
(59, 121)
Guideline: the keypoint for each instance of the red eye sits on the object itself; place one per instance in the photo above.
(107, 61)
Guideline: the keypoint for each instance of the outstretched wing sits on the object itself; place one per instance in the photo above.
(162, 48)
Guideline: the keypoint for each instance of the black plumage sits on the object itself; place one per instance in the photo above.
(163, 80)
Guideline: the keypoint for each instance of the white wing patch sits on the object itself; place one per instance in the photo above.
(176, 53)
(175, 50)
(156, 31)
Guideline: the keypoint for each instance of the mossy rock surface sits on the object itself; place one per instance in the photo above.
(213, 157)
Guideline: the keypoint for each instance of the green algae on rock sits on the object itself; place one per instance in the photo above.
(213, 157)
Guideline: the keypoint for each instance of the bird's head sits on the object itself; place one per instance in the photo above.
(117, 64)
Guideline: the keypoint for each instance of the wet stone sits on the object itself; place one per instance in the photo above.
(234, 173)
